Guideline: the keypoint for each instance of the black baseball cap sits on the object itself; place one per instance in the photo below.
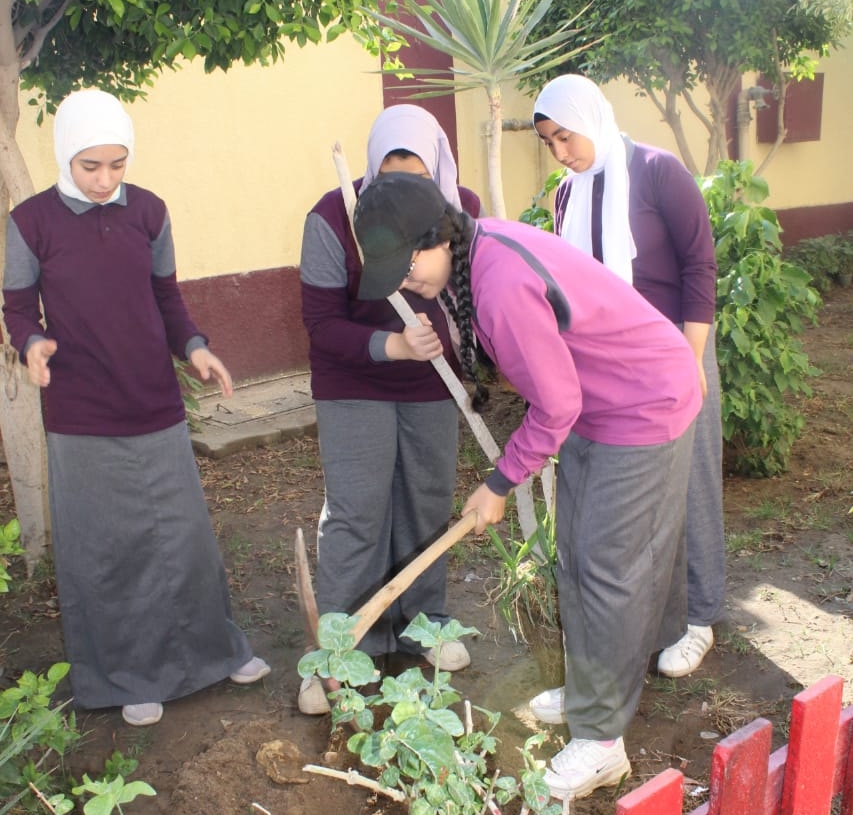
(391, 215)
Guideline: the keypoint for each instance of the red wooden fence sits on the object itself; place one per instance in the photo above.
(800, 778)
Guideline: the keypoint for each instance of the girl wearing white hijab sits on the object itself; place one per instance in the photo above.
(577, 106)
(146, 614)
(380, 408)
(649, 200)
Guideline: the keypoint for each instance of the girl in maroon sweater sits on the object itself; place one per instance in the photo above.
(145, 607)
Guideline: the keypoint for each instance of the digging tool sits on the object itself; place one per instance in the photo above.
(373, 609)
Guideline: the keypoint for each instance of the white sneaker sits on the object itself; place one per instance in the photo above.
(312, 699)
(584, 765)
(143, 714)
(686, 655)
(549, 706)
(454, 657)
(252, 671)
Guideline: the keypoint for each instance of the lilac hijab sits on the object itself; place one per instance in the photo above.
(409, 127)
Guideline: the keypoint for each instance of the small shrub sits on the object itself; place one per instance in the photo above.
(526, 592)
(9, 536)
(191, 387)
(763, 302)
(827, 258)
(35, 736)
(422, 748)
(537, 215)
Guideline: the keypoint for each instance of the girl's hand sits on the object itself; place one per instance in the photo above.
(703, 382)
(208, 364)
(488, 505)
(38, 355)
(420, 342)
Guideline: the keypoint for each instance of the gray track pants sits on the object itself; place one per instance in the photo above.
(390, 472)
(621, 572)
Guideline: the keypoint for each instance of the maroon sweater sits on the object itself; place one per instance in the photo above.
(106, 278)
(675, 268)
(340, 326)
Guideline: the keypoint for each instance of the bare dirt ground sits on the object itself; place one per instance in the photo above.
(789, 623)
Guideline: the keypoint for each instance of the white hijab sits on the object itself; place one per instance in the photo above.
(87, 119)
(409, 127)
(576, 104)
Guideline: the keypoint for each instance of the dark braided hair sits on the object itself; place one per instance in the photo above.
(458, 228)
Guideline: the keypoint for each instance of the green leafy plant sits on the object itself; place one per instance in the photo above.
(108, 795)
(538, 215)
(763, 302)
(190, 388)
(34, 737)
(422, 751)
(526, 593)
(827, 258)
(10, 534)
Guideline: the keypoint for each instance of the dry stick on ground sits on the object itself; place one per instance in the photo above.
(354, 778)
(523, 492)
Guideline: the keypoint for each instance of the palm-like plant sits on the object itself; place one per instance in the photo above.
(488, 42)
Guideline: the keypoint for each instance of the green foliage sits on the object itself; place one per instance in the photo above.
(121, 45)
(763, 302)
(526, 595)
(828, 259)
(190, 388)
(538, 215)
(34, 737)
(108, 795)
(422, 748)
(9, 545)
(667, 48)
(490, 37)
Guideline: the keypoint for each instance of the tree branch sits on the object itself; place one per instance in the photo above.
(38, 33)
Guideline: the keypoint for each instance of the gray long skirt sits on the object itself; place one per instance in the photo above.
(144, 602)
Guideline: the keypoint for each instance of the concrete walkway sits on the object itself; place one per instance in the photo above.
(258, 413)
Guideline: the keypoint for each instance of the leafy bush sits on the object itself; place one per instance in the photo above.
(828, 259)
(9, 545)
(422, 749)
(35, 736)
(536, 214)
(762, 304)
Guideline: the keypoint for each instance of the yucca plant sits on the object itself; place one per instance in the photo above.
(490, 43)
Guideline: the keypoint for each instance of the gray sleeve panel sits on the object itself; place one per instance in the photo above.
(376, 348)
(163, 251)
(22, 266)
(323, 261)
(194, 342)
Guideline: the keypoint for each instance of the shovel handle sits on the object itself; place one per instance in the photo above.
(372, 610)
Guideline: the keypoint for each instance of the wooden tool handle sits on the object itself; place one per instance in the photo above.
(372, 610)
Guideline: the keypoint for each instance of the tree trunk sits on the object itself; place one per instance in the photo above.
(496, 189)
(20, 402)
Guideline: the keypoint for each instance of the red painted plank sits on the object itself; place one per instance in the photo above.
(811, 749)
(661, 795)
(843, 781)
(739, 770)
(775, 780)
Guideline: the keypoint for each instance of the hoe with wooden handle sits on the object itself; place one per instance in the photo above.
(373, 609)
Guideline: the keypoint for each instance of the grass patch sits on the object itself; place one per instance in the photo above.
(738, 542)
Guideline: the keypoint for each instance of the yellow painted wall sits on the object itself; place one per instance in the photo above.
(240, 157)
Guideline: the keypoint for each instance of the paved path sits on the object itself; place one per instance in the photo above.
(258, 413)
